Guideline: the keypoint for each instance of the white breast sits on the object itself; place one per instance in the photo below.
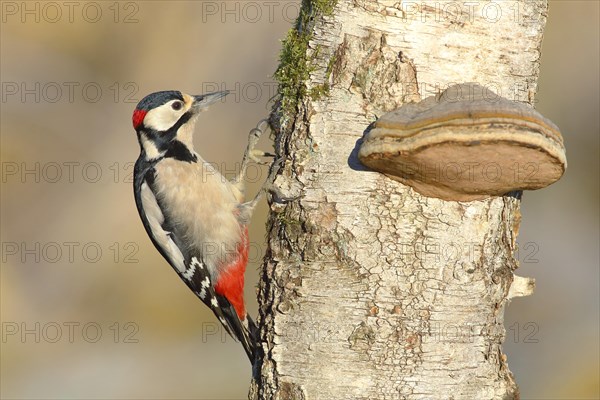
(202, 205)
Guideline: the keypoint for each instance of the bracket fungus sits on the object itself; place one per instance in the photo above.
(465, 144)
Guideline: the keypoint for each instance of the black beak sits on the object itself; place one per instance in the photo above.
(202, 101)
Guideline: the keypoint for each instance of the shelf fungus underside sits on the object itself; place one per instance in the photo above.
(466, 144)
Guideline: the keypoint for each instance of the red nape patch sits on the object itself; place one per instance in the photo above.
(231, 282)
(138, 117)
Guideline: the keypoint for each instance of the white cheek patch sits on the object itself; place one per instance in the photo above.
(163, 117)
(155, 219)
(150, 148)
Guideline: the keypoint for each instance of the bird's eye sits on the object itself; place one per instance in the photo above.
(176, 106)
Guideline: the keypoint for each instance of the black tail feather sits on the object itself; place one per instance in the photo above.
(252, 339)
(244, 331)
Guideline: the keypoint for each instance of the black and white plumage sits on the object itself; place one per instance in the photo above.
(194, 216)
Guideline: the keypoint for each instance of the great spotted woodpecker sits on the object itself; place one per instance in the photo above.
(195, 217)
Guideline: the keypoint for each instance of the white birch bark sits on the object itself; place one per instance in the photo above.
(370, 290)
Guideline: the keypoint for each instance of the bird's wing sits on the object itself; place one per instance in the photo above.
(188, 264)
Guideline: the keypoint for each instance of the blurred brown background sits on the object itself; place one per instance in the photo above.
(89, 309)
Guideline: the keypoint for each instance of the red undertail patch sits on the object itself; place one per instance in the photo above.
(231, 282)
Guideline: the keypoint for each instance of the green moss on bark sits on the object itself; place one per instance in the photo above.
(295, 65)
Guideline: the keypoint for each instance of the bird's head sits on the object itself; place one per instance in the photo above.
(163, 117)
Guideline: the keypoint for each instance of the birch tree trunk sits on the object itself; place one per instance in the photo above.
(370, 290)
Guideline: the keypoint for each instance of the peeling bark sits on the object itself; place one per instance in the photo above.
(370, 290)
